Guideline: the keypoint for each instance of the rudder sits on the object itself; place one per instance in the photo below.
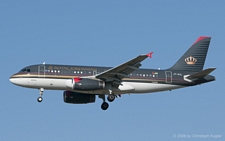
(194, 58)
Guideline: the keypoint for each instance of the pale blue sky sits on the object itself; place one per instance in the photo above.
(108, 33)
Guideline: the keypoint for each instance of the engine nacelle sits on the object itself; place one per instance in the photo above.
(78, 98)
(85, 84)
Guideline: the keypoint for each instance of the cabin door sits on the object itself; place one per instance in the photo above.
(41, 71)
(168, 76)
(94, 72)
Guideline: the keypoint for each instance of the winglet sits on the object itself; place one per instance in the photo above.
(149, 54)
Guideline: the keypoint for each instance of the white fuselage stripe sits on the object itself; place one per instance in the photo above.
(60, 84)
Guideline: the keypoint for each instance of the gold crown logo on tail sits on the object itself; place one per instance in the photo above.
(190, 60)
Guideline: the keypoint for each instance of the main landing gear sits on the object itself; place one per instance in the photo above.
(110, 98)
(104, 105)
(39, 99)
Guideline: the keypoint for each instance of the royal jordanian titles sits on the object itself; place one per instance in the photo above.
(81, 84)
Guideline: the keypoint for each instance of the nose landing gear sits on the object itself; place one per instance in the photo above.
(39, 99)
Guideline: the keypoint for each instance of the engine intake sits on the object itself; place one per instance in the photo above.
(85, 84)
(78, 98)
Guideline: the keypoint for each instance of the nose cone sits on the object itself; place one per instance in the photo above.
(18, 80)
(13, 79)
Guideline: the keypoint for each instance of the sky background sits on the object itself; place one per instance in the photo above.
(108, 33)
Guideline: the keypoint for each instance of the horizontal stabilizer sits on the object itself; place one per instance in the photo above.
(201, 74)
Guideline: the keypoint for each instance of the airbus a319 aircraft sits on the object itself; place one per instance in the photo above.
(81, 84)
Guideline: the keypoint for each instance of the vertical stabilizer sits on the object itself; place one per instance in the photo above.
(194, 58)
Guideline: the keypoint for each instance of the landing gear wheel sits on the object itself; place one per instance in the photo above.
(105, 106)
(39, 99)
(111, 97)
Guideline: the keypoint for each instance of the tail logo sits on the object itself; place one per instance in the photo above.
(190, 60)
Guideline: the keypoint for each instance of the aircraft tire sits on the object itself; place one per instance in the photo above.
(105, 106)
(111, 98)
(39, 99)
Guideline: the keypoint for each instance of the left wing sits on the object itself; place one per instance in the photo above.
(116, 74)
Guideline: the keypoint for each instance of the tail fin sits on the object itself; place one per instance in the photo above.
(194, 58)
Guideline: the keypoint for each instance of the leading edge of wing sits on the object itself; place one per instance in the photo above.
(124, 69)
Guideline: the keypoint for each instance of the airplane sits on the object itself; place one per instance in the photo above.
(81, 84)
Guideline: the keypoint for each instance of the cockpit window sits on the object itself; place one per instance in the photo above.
(25, 70)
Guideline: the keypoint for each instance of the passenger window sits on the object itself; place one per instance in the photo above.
(28, 70)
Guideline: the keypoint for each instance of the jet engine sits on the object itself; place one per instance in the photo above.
(78, 98)
(85, 84)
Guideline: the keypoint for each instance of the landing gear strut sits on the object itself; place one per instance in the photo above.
(39, 99)
(104, 105)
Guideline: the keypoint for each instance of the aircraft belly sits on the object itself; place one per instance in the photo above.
(123, 88)
(151, 87)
